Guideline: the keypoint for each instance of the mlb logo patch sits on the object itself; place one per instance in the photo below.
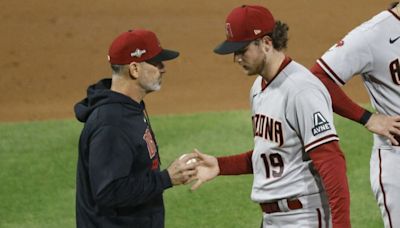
(320, 124)
(228, 30)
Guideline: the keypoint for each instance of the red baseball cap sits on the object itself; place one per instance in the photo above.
(138, 45)
(243, 25)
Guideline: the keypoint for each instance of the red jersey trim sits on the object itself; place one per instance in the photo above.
(330, 72)
(394, 14)
(284, 63)
(321, 141)
(264, 84)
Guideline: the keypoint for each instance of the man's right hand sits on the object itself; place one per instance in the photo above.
(181, 171)
(207, 169)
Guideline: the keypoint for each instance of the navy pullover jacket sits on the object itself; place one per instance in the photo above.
(119, 182)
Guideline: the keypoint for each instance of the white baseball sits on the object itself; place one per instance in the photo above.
(190, 161)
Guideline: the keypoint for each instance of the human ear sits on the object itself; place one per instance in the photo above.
(134, 69)
(267, 43)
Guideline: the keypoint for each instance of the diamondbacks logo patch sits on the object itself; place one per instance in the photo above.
(320, 124)
(151, 146)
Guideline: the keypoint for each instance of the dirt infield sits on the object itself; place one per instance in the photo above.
(51, 50)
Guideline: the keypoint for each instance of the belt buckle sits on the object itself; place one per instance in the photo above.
(283, 205)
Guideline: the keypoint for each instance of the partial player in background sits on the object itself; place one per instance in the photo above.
(372, 50)
(119, 181)
(296, 161)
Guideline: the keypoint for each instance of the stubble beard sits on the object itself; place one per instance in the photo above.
(259, 69)
(151, 87)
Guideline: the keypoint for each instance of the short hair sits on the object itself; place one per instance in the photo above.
(117, 69)
(279, 35)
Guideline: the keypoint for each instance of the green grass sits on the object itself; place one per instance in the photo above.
(38, 166)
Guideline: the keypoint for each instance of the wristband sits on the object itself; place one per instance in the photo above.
(365, 117)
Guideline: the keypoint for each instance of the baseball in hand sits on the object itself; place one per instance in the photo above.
(190, 161)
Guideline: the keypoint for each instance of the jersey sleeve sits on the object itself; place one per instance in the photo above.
(309, 112)
(112, 181)
(349, 57)
(341, 103)
(330, 163)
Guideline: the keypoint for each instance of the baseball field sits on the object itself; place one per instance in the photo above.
(51, 51)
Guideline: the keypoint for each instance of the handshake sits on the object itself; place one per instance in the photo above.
(192, 167)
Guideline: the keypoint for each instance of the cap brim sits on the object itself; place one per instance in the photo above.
(164, 55)
(229, 47)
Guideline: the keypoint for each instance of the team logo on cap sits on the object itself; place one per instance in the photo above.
(228, 30)
(138, 53)
(320, 124)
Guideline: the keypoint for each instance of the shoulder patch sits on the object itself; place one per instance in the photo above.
(320, 124)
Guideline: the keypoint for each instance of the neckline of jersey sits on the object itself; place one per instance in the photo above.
(285, 62)
(394, 14)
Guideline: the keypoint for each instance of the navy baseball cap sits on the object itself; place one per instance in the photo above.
(138, 45)
(243, 25)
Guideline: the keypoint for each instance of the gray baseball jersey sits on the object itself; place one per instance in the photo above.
(291, 116)
(372, 50)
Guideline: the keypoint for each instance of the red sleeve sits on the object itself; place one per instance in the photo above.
(329, 162)
(236, 164)
(341, 103)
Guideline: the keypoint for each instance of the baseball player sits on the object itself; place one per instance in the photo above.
(372, 50)
(296, 161)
